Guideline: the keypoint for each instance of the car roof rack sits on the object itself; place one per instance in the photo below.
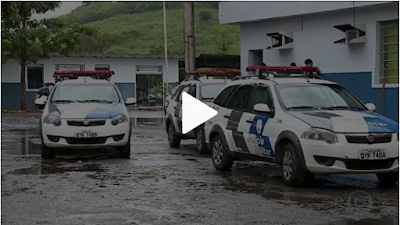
(195, 74)
(285, 71)
(74, 74)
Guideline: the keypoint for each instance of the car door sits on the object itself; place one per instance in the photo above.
(178, 109)
(262, 126)
(239, 120)
(220, 104)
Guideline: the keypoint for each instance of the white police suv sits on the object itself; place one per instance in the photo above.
(307, 126)
(204, 90)
(85, 112)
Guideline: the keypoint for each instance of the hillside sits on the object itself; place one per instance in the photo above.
(137, 28)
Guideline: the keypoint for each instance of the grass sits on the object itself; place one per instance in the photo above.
(142, 32)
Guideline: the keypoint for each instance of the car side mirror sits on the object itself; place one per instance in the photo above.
(263, 108)
(370, 106)
(130, 101)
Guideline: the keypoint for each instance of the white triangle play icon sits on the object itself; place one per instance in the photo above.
(194, 113)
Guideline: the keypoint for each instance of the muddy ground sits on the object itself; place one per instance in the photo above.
(160, 185)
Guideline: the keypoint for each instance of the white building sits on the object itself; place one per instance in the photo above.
(279, 33)
(135, 75)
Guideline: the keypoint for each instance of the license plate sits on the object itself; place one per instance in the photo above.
(85, 134)
(372, 154)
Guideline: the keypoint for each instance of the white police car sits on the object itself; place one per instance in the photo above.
(307, 126)
(203, 89)
(85, 113)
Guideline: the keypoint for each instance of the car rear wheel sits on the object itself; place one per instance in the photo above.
(388, 179)
(201, 141)
(221, 159)
(292, 173)
(173, 139)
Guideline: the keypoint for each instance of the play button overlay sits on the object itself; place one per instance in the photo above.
(194, 113)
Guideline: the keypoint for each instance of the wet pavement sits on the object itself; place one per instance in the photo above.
(161, 185)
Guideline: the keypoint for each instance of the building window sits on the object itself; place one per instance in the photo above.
(35, 76)
(101, 67)
(389, 60)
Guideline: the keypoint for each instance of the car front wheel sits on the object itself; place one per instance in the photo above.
(201, 141)
(221, 159)
(125, 151)
(173, 139)
(388, 179)
(293, 174)
(47, 153)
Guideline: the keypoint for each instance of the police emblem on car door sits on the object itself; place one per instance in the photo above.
(261, 128)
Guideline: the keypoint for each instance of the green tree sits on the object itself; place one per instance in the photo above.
(96, 42)
(221, 36)
(29, 40)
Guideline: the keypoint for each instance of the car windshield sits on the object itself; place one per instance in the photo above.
(209, 91)
(317, 97)
(85, 93)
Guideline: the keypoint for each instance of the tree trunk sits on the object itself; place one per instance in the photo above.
(23, 87)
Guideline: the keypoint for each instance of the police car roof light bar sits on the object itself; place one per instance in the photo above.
(284, 70)
(74, 74)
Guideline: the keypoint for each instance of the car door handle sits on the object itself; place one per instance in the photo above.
(249, 120)
(227, 116)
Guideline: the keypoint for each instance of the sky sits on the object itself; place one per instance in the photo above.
(65, 8)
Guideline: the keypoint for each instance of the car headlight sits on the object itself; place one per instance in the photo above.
(51, 119)
(119, 119)
(321, 135)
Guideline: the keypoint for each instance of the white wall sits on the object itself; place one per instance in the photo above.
(314, 36)
(239, 12)
(125, 69)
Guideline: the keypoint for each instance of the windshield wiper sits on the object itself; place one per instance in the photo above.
(303, 107)
(98, 100)
(343, 107)
(62, 101)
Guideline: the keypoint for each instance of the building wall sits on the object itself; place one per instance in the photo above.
(354, 66)
(243, 12)
(124, 78)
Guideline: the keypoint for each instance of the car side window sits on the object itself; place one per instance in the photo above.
(175, 96)
(192, 90)
(263, 96)
(222, 98)
(185, 89)
(240, 99)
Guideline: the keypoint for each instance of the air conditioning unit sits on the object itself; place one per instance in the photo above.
(280, 40)
(353, 35)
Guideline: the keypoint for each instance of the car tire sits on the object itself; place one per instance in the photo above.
(388, 179)
(201, 141)
(222, 160)
(292, 173)
(47, 153)
(125, 151)
(173, 139)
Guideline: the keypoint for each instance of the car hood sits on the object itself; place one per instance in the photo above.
(86, 110)
(344, 121)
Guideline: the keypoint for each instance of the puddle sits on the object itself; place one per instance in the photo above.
(22, 142)
(57, 168)
(381, 221)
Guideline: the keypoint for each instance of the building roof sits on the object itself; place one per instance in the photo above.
(118, 56)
